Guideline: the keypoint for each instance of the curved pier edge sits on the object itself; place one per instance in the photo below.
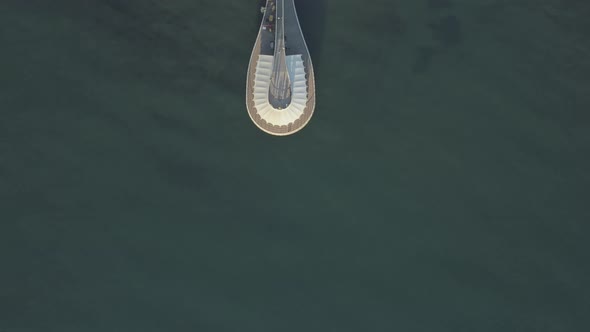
(298, 124)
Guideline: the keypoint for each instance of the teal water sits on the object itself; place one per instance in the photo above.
(442, 184)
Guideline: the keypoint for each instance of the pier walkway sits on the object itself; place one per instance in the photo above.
(287, 118)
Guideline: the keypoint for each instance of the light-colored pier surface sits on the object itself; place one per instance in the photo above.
(280, 88)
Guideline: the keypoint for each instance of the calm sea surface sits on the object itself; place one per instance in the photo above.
(442, 185)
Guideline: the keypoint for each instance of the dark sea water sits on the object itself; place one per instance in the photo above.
(442, 185)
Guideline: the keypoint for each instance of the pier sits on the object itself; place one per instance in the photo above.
(280, 88)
